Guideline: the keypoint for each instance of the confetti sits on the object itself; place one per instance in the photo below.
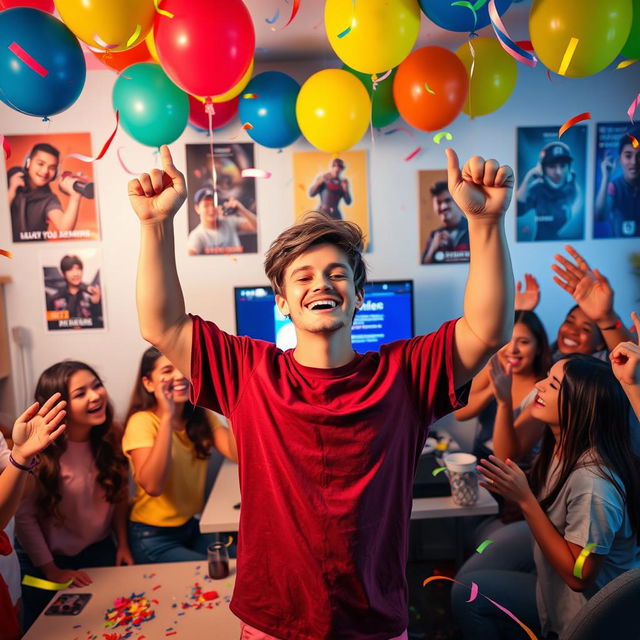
(39, 583)
(634, 141)
(431, 91)
(274, 19)
(580, 560)
(158, 586)
(199, 598)
(626, 63)
(483, 545)
(506, 42)
(569, 123)
(405, 129)
(568, 55)
(435, 472)
(102, 43)
(166, 14)
(440, 135)
(133, 611)
(247, 126)
(105, 146)
(633, 106)
(294, 12)
(474, 592)
(33, 64)
(4, 252)
(413, 154)
(342, 34)
(229, 542)
(255, 173)
(134, 36)
(249, 96)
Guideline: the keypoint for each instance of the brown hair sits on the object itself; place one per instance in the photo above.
(315, 228)
(104, 439)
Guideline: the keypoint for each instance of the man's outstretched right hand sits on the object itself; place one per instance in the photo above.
(159, 194)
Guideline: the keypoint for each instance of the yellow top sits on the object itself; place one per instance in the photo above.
(183, 495)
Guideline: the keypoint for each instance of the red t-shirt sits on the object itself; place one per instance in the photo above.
(327, 459)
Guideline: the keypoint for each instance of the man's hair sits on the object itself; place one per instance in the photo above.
(68, 262)
(339, 162)
(438, 187)
(46, 147)
(315, 228)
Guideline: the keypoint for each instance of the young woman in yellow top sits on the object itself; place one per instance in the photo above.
(168, 442)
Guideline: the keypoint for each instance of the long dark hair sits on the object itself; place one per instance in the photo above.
(542, 360)
(594, 416)
(104, 439)
(197, 425)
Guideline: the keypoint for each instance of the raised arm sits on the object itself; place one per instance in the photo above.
(156, 197)
(483, 191)
(625, 362)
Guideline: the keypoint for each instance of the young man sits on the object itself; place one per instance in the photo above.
(332, 188)
(31, 200)
(450, 242)
(618, 200)
(328, 440)
(218, 228)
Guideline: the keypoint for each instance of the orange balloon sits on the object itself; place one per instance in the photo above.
(430, 88)
(119, 60)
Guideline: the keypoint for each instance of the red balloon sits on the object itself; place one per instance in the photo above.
(430, 88)
(43, 5)
(225, 112)
(120, 60)
(207, 46)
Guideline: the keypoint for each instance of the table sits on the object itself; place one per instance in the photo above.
(167, 583)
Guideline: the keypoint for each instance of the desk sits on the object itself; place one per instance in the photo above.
(176, 580)
(219, 514)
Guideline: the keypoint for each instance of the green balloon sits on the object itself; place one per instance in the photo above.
(153, 110)
(631, 49)
(383, 106)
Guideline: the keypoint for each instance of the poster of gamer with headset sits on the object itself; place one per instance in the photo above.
(551, 178)
(51, 194)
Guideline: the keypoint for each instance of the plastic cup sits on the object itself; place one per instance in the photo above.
(218, 560)
(463, 478)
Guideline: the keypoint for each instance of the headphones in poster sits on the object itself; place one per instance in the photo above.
(27, 160)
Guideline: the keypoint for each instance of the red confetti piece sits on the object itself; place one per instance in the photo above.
(569, 123)
(8, 254)
(294, 12)
(247, 126)
(210, 595)
(634, 141)
(32, 63)
(525, 44)
(413, 154)
(104, 149)
(158, 586)
(171, 633)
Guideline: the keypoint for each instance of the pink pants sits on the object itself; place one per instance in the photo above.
(250, 633)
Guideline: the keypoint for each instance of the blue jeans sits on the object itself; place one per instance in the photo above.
(150, 544)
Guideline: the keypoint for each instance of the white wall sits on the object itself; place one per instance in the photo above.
(208, 280)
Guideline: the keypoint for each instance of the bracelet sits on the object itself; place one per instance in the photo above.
(611, 327)
(22, 467)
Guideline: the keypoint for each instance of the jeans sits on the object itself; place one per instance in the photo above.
(150, 544)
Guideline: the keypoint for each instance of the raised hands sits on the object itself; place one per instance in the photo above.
(528, 299)
(501, 380)
(482, 189)
(164, 397)
(625, 358)
(159, 194)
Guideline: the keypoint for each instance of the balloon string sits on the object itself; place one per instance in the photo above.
(210, 111)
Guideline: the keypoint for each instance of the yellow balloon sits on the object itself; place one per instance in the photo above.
(115, 25)
(379, 33)
(333, 110)
(234, 91)
(600, 27)
(494, 76)
(151, 45)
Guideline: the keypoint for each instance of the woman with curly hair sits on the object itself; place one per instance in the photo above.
(78, 496)
(168, 442)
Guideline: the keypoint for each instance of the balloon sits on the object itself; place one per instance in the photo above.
(153, 110)
(602, 28)
(206, 49)
(273, 111)
(494, 76)
(224, 113)
(120, 60)
(333, 110)
(383, 107)
(631, 49)
(50, 44)
(234, 91)
(430, 88)
(115, 25)
(459, 18)
(381, 32)
(42, 5)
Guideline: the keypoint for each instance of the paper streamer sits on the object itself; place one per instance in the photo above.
(442, 134)
(569, 123)
(505, 40)
(499, 606)
(483, 545)
(32, 63)
(102, 43)
(413, 154)
(294, 12)
(376, 81)
(105, 146)
(435, 472)
(580, 560)
(255, 173)
(39, 583)
(632, 107)
(8, 254)
(162, 12)
(474, 592)
(568, 55)
(627, 63)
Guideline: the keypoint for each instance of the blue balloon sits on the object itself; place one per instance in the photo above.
(37, 36)
(459, 18)
(273, 112)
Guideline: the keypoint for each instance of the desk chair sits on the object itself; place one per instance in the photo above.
(611, 613)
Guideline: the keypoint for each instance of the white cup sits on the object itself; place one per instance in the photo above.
(460, 462)
(463, 478)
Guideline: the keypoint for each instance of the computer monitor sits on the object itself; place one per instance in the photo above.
(386, 315)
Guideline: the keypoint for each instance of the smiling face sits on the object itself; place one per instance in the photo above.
(208, 212)
(546, 406)
(630, 163)
(164, 370)
(521, 350)
(87, 400)
(319, 292)
(578, 334)
(73, 276)
(42, 168)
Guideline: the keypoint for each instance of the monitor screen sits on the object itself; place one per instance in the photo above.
(386, 315)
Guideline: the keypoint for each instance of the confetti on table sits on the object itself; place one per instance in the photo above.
(7, 254)
(435, 472)
(626, 63)
(413, 154)
(199, 598)
(505, 40)
(255, 173)
(580, 560)
(133, 610)
(158, 586)
(39, 583)
(24, 57)
(633, 106)
(569, 123)
(440, 135)
(568, 55)
(483, 545)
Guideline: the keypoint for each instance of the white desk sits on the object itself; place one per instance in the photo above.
(176, 580)
(219, 514)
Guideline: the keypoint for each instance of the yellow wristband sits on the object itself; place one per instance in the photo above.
(580, 560)
(39, 583)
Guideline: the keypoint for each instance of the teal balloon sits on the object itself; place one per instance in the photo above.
(631, 49)
(153, 110)
(383, 106)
